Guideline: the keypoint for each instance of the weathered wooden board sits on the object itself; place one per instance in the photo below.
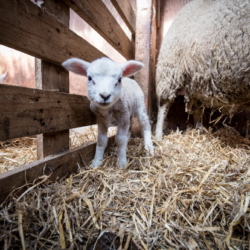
(58, 166)
(26, 27)
(58, 77)
(126, 12)
(51, 77)
(25, 111)
(145, 49)
(98, 16)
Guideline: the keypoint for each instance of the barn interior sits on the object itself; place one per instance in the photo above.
(193, 194)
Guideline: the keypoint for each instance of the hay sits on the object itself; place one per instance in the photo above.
(18, 152)
(193, 194)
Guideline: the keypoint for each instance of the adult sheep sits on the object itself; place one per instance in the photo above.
(206, 55)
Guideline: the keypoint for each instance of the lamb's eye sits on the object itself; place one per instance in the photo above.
(119, 81)
(89, 78)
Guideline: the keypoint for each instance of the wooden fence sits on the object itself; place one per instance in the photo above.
(49, 111)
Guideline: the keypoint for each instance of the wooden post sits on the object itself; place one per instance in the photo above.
(145, 46)
(53, 77)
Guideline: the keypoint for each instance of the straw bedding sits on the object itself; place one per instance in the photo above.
(16, 153)
(193, 194)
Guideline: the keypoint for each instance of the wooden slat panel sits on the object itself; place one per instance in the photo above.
(97, 15)
(58, 77)
(58, 166)
(28, 28)
(126, 12)
(25, 111)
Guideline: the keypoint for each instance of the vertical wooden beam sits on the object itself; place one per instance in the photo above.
(145, 41)
(145, 45)
(53, 77)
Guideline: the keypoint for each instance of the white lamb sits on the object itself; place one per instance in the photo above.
(114, 100)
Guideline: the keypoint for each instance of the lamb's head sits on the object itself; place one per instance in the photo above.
(104, 78)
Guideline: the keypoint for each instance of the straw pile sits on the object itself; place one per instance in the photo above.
(21, 151)
(193, 194)
(17, 152)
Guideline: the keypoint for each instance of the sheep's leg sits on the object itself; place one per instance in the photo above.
(198, 117)
(162, 111)
(122, 138)
(247, 128)
(102, 141)
(146, 130)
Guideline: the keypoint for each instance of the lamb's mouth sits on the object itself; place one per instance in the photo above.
(104, 103)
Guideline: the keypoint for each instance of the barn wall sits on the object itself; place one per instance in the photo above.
(21, 66)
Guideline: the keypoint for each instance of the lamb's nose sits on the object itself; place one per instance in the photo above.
(105, 97)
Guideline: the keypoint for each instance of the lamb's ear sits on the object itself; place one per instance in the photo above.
(76, 65)
(131, 67)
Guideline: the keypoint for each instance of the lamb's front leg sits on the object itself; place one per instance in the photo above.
(122, 138)
(101, 145)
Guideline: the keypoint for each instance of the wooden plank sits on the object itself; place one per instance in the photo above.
(26, 27)
(26, 111)
(58, 166)
(51, 77)
(58, 77)
(59, 10)
(158, 13)
(145, 50)
(133, 5)
(126, 12)
(52, 143)
(97, 15)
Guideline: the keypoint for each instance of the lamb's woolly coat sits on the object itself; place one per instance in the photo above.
(114, 99)
(206, 51)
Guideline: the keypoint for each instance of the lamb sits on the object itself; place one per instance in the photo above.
(114, 99)
(206, 55)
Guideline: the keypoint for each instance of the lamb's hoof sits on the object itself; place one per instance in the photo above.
(150, 149)
(200, 129)
(158, 136)
(95, 163)
(121, 163)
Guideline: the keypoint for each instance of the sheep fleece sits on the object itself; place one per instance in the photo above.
(207, 51)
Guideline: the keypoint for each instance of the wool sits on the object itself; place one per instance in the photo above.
(206, 52)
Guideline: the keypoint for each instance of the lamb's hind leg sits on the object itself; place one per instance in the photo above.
(146, 129)
(198, 111)
(162, 111)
